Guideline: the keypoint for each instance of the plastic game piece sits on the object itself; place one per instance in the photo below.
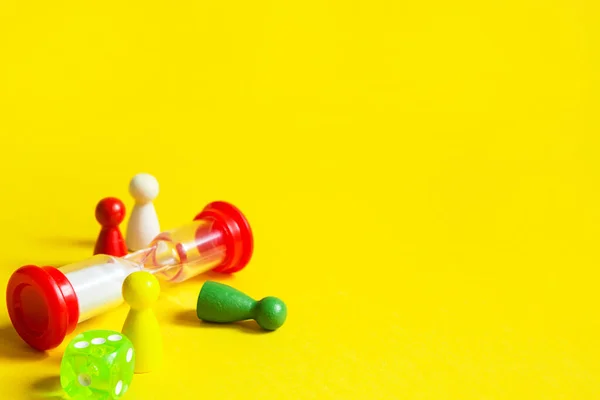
(143, 224)
(218, 302)
(97, 365)
(46, 304)
(110, 212)
(141, 290)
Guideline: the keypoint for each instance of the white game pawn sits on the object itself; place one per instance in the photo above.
(143, 224)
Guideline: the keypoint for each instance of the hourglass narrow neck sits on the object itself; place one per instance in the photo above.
(185, 252)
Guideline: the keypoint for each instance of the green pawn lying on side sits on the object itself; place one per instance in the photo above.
(221, 303)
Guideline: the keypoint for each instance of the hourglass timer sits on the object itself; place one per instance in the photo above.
(45, 304)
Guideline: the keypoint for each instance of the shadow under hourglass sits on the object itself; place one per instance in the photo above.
(13, 347)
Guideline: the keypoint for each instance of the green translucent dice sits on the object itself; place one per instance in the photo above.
(97, 365)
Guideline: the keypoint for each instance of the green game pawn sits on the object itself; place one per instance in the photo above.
(221, 303)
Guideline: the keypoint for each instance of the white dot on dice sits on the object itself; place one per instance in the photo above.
(98, 340)
(81, 345)
(118, 387)
(114, 338)
(84, 380)
(129, 355)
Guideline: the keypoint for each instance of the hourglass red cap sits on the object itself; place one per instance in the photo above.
(42, 306)
(237, 234)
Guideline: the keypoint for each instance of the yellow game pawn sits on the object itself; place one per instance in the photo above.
(141, 290)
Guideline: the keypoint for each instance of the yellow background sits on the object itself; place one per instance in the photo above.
(421, 177)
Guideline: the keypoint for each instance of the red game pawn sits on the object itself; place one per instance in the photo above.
(110, 212)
